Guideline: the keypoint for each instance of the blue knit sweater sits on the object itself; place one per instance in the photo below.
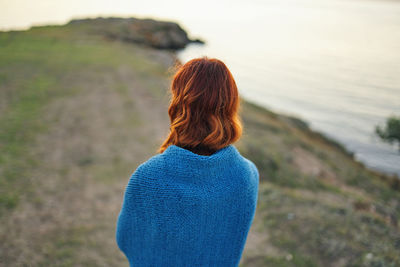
(184, 209)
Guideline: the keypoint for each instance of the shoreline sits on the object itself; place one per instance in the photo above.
(181, 45)
(332, 141)
(304, 126)
(174, 50)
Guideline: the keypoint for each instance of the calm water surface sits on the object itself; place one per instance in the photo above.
(336, 64)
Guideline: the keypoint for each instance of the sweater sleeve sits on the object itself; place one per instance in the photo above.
(254, 169)
(256, 179)
(126, 217)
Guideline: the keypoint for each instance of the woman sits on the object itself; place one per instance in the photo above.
(193, 203)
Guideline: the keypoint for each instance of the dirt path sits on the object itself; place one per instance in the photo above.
(98, 137)
(113, 120)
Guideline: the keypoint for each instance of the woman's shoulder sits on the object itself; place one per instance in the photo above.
(246, 162)
(252, 165)
(154, 163)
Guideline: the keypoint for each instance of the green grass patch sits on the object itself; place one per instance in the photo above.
(18, 127)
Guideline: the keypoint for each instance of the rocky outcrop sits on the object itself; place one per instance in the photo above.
(154, 33)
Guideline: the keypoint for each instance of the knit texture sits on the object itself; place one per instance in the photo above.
(184, 209)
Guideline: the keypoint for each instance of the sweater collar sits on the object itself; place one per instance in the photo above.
(221, 155)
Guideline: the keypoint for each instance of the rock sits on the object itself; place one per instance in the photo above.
(154, 33)
(198, 41)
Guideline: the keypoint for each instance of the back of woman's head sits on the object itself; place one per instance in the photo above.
(204, 106)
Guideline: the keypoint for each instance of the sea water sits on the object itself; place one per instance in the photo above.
(335, 64)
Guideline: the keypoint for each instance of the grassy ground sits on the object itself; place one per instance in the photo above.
(79, 113)
(317, 206)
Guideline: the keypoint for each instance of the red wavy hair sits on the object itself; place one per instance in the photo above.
(204, 107)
